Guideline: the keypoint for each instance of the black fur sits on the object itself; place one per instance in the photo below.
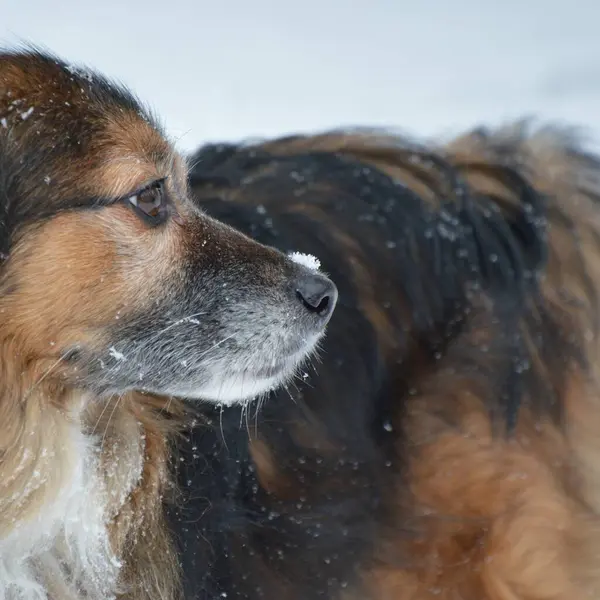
(425, 265)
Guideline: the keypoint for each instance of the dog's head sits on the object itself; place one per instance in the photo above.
(112, 279)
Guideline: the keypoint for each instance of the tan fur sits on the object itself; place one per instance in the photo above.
(496, 517)
(76, 273)
(535, 496)
(151, 570)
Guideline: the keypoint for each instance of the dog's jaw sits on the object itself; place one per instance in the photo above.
(237, 385)
(239, 389)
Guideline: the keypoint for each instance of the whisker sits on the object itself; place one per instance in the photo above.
(45, 374)
(256, 409)
(246, 413)
(221, 426)
(287, 389)
(119, 398)
(106, 405)
(174, 324)
(215, 346)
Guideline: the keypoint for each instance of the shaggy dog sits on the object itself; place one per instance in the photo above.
(448, 445)
(115, 290)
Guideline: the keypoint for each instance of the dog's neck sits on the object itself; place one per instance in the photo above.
(65, 472)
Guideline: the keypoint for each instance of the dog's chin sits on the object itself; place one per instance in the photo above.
(238, 389)
(230, 387)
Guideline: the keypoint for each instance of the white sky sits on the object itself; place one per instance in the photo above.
(231, 69)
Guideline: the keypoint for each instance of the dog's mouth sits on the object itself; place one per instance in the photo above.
(230, 372)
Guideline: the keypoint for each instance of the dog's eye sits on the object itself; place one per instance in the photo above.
(151, 203)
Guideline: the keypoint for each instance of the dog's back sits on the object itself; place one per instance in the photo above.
(446, 444)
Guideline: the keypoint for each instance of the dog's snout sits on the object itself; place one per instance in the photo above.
(317, 293)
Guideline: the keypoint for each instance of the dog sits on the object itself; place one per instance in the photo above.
(118, 295)
(447, 445)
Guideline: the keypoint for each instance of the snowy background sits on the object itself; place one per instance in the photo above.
(231, 69)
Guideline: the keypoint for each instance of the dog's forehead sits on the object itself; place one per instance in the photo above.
(90, 131)
(35, 84)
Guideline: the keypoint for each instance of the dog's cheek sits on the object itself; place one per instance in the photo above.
(151, 262)
(75, 275)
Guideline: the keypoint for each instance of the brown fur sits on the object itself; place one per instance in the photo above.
(74, 273)
(508, 518)
(464, 508)
(116, 291)
(471, 512)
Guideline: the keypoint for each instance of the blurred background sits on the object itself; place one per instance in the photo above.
(233, 69)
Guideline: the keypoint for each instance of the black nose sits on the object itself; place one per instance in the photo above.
(317, 294)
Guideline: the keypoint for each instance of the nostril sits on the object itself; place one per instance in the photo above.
(323, 306)
(320, 308)
(317, 294)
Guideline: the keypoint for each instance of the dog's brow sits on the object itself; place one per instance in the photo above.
(123, 175)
